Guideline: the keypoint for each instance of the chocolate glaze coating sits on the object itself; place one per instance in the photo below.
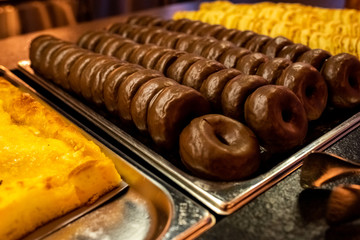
(94, 40)
(256, 43)
(158, 39)
(213, 86)
(114, 45)
(241, 38)
(152, 56)
(37, 46)
(172, 109)
(141, 100)
(226, 34)
(204, 27)
(112, 84)
(76, 69)
(124, 51)
(198, 46)
(191, 26)
(144, 35)
(342, 74)
(128, 88)
(198, 72)
(101, 74)
(315, 57)
(232, 55)
(211, 31)
(167, 59)
(293, 51)
(236, 92)
(58, 56)
(65, 65)
(308, 85)
(150, 34)
(185, 41)
(178, 69)
(138, 54)
(219, 148)
(277, 117)
(272, 69)
(178, 25)
(47, 57)
(87, 75)
(84, 38)
(171, 40)
(274, 46)
(216, 49)
(102, 44)
(250, 63)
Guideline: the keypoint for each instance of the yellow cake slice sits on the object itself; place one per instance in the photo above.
(47, 167)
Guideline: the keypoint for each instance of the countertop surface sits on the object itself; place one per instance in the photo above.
(285, 211)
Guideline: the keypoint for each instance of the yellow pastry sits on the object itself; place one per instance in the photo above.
(47, 167)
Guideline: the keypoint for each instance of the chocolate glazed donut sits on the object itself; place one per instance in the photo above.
(214, 50)
(172, 109)
(214, 84)
(274, 46)
(342, 74)
(199, 71)
(293, 51)
(76, 69)
(37, 46)
(232, 55)
(315, 57)
(277, 117)
(112, 84)
(236, 92)
(177, 69)
(167, 59)
(308, 85)
(272, 69)
(250, 63)
(128, 88)
(141, 100)
(219, 148)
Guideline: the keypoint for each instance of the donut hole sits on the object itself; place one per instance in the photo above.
(286, 115)
(353, 81)
(219, 136)
(309, 91)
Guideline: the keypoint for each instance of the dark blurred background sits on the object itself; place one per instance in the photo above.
(21, 16)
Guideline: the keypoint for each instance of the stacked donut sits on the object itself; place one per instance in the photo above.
(227, 89)
(306, 82)
(126, 90)
(158, 106)
(336, 30)
(341, 72)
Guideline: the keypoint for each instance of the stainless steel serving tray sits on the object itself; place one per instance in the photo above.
(149, 209)
(222, 197)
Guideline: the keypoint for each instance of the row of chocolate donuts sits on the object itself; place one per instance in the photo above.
(225, 88)
(302, 78)
(341, 72)
(155, 104)
(125, 89)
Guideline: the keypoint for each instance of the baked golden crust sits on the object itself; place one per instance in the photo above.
(47, 166)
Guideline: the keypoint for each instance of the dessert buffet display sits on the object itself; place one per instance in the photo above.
(53, 173)
(220, 111)
(334, 30)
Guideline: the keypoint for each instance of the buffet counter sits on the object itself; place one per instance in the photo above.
(280, 207)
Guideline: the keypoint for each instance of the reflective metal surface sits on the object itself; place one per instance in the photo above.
(149, 209)
(221, 197)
